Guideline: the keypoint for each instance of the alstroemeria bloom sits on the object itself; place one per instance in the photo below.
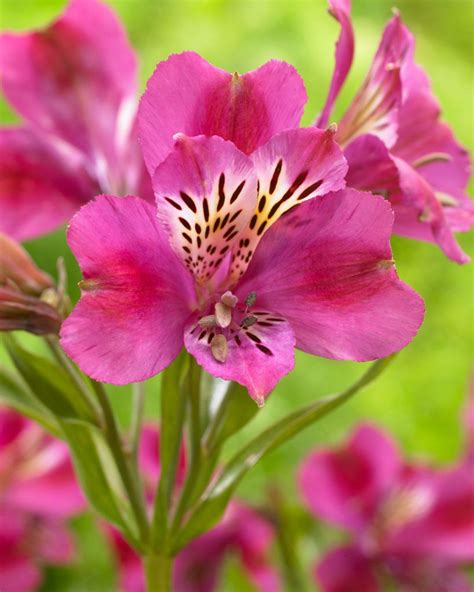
(198, 566)
(37, 492)
(74, 85)
(395, 143)
(411, 525)
(211, 269)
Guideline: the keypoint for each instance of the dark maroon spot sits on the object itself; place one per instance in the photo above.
(265, 324)
(198, 228)
(205, 209)
(213, 250)
(194, 330)
(294, 186)
(233, 235)
(221, 200)
(237, 340)
(199, 242)
(253, 221)
(262, 228)
(188, 201)
(210, 337)
(229, 231)
(185, 223)
(237, 192)
(264, 349)
(246, 242)
(254, 337)
(187, 249)
(275, 320)
(216, 224)
(225, 219)
(224, 250)
(262, 202)
(236, 215)
(203, 333)
(173, 203)
(187, 237)
(309, 190)
(275, 176)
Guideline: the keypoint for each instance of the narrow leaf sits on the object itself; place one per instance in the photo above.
(212, 505)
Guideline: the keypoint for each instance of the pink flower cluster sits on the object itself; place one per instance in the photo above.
(38, 492)
(242, 533)
(411, 525)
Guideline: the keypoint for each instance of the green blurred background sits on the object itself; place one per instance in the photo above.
(420, 398)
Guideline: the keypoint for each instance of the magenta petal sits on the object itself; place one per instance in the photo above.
(341, 11)
(258, 356)
(136, 296)
(72, 78)
(206, 194)
(327, 268)
(345, 570)
(375, 107)
(186, 94)
(344, 485)
(54, 543)
(445, 528)
(293, 167)
(40, 187)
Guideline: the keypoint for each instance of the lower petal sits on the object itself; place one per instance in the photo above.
(345, 570)
(257, 357)
(128, 324)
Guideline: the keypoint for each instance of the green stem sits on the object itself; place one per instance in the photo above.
(158, 572)
(115, 444)
(138, 403)
(195, 450)
(53, 345)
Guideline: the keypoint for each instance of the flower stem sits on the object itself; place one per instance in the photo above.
(115, 444)
(158, 570)
(138, 403)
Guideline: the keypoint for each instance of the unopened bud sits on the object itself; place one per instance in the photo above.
(19, 311)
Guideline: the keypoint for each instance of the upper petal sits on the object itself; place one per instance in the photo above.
(205, 192)
(72, 78)
(344, 485)
(345, 569)
(40, 187)
(375, 108)
(341, 11)
(136, 294)
(293, 167)
(187, 94)
(327, 268)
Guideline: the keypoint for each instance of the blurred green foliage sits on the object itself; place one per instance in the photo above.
(421, 396)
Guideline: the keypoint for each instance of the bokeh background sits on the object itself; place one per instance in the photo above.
(420, 397)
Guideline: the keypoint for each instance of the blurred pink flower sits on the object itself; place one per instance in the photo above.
(242, 532)
(74, 83)
(395, 143)
(410, 524)
(212, 270)
(38, 491)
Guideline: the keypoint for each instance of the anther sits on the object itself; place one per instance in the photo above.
(223, 314)
(219, 348)
(207, 321)
(229, 299)
(251, 299)
(248, 321)
(332, 128)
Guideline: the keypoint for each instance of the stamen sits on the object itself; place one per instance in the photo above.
(251, 299)
(207, 321)
(219, 348)
(223, 314)
(248, 321)
(229, 299)
(446, 200)
(433, 157)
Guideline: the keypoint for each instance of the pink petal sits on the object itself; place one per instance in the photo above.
(73, 78)
(341, 11)
(375, 107)
(294, 166)
(345, 569)
(186, 94)
(205, 191)
(327, 269)
(54, 543)
(344, 485)
(50, 489)
(19, 574)
(136, 295)
(446, 528)
(258, 356)
(129, 565)
(40, 187)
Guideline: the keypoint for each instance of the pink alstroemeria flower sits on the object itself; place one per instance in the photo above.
(210, 269)
(411, 525)
(38, 491)
(242, 531)
(74, 84)
(395, 143)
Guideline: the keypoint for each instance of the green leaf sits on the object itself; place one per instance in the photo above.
(49, 383)
(15, 394)
(234, 412)
(212, 505)
(173, 405)
(84, 441)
